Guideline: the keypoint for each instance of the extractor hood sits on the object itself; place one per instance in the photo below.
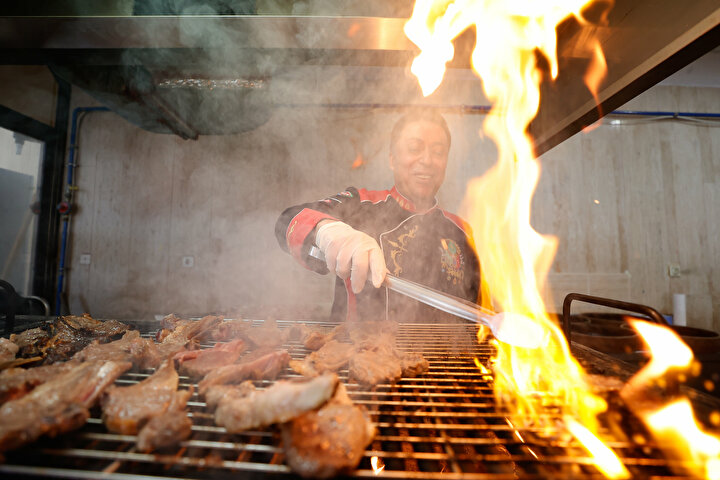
(188, 70)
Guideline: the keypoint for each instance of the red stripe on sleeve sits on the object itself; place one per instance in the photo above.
(300, 226)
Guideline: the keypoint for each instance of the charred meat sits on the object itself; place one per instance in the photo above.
(322, 443)
(281, 402)
(266, 367)
(8, 350)
(30, 342)
(58, 405)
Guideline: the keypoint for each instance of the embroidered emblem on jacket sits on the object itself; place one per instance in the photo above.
(399, 247)
(451, 260)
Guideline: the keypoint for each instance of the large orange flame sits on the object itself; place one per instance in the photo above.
(515, 258)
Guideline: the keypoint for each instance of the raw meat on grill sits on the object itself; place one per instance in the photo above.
(281, 402)
(169, 428)
(58, 405)
(8, 350)
(322, 443)
(17, 382)
(198, 363)
(217, 393)
(330, 358)
(266, 367)
(142, 352)
(127, 409)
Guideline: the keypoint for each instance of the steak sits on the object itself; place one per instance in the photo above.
(58, 405)
(322, 443)
(281, 402)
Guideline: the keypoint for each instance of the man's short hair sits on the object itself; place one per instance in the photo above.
(418, 115)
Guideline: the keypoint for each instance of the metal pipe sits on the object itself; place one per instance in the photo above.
(68, 196)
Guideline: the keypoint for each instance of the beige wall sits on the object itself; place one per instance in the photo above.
(30, 90)
(147, 200)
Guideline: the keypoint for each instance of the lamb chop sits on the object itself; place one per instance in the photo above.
(126, 409)
(186, 335)
(142, 352)
(281, 402)
(370, 367)
(266, 367)
(59, 405)
(230, 330)
(322, 443)
(267, 336)
(330, 358)
(169, 428)
(217, 393)
(30, 342)
(17, 382)
(413, 364)
(8, 350)
(198, 363)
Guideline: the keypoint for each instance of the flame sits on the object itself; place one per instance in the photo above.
(667, 351)
(675, 425)
(377, 465)
(605, 459)
(515, 258)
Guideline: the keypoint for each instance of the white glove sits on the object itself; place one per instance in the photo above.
(350, 252)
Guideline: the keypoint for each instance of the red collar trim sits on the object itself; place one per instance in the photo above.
(407, 204)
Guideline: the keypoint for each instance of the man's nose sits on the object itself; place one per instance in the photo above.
(425, 157)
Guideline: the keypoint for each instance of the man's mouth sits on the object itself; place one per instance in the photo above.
(423, 177)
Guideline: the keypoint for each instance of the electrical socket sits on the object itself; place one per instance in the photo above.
(673, 270)
(188, 261)
(85, 259)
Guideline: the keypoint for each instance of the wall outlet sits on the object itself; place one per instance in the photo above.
(673, 270)
(85, 259)
(188, 261)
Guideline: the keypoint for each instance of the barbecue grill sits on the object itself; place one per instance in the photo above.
(444, 424)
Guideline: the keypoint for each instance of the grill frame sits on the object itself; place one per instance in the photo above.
(444, 424)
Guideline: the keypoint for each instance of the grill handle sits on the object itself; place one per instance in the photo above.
(649, 312)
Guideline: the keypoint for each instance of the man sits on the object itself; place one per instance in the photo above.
(367, 233)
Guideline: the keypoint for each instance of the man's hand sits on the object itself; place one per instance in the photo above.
(350, 252)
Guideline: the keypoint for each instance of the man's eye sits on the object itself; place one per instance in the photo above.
(438, 152)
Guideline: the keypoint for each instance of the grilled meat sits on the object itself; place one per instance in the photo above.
(169, 428)
(281, 402)
(142, 352)
(218, 393)
(267, 336)
(126, 409)
(413, 364)
(322, 443)
(186, 335)
(266, 367)
(30, 342)
(58, 405)
(8, 350)
(198, 363)
(17, 382)
(369, 368)
(330, 358)
(230, 330)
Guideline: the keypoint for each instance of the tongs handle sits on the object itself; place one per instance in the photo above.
(429, 296)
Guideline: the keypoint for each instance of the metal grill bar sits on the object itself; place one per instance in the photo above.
(444, 424)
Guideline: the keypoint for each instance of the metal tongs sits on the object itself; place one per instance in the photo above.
(511, 328)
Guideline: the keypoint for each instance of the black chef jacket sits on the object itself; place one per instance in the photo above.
(433, 248)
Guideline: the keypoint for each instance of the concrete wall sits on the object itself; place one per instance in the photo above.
(146, 201)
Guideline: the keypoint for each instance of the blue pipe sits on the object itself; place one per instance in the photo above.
(70, 179)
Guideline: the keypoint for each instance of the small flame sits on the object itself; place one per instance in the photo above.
(605, 459)
(377, 465)
(359, 157)
(676, 425)
(666, 348)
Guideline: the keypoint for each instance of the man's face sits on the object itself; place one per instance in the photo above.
(419, 160)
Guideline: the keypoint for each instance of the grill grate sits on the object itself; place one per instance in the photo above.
(441, 425)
